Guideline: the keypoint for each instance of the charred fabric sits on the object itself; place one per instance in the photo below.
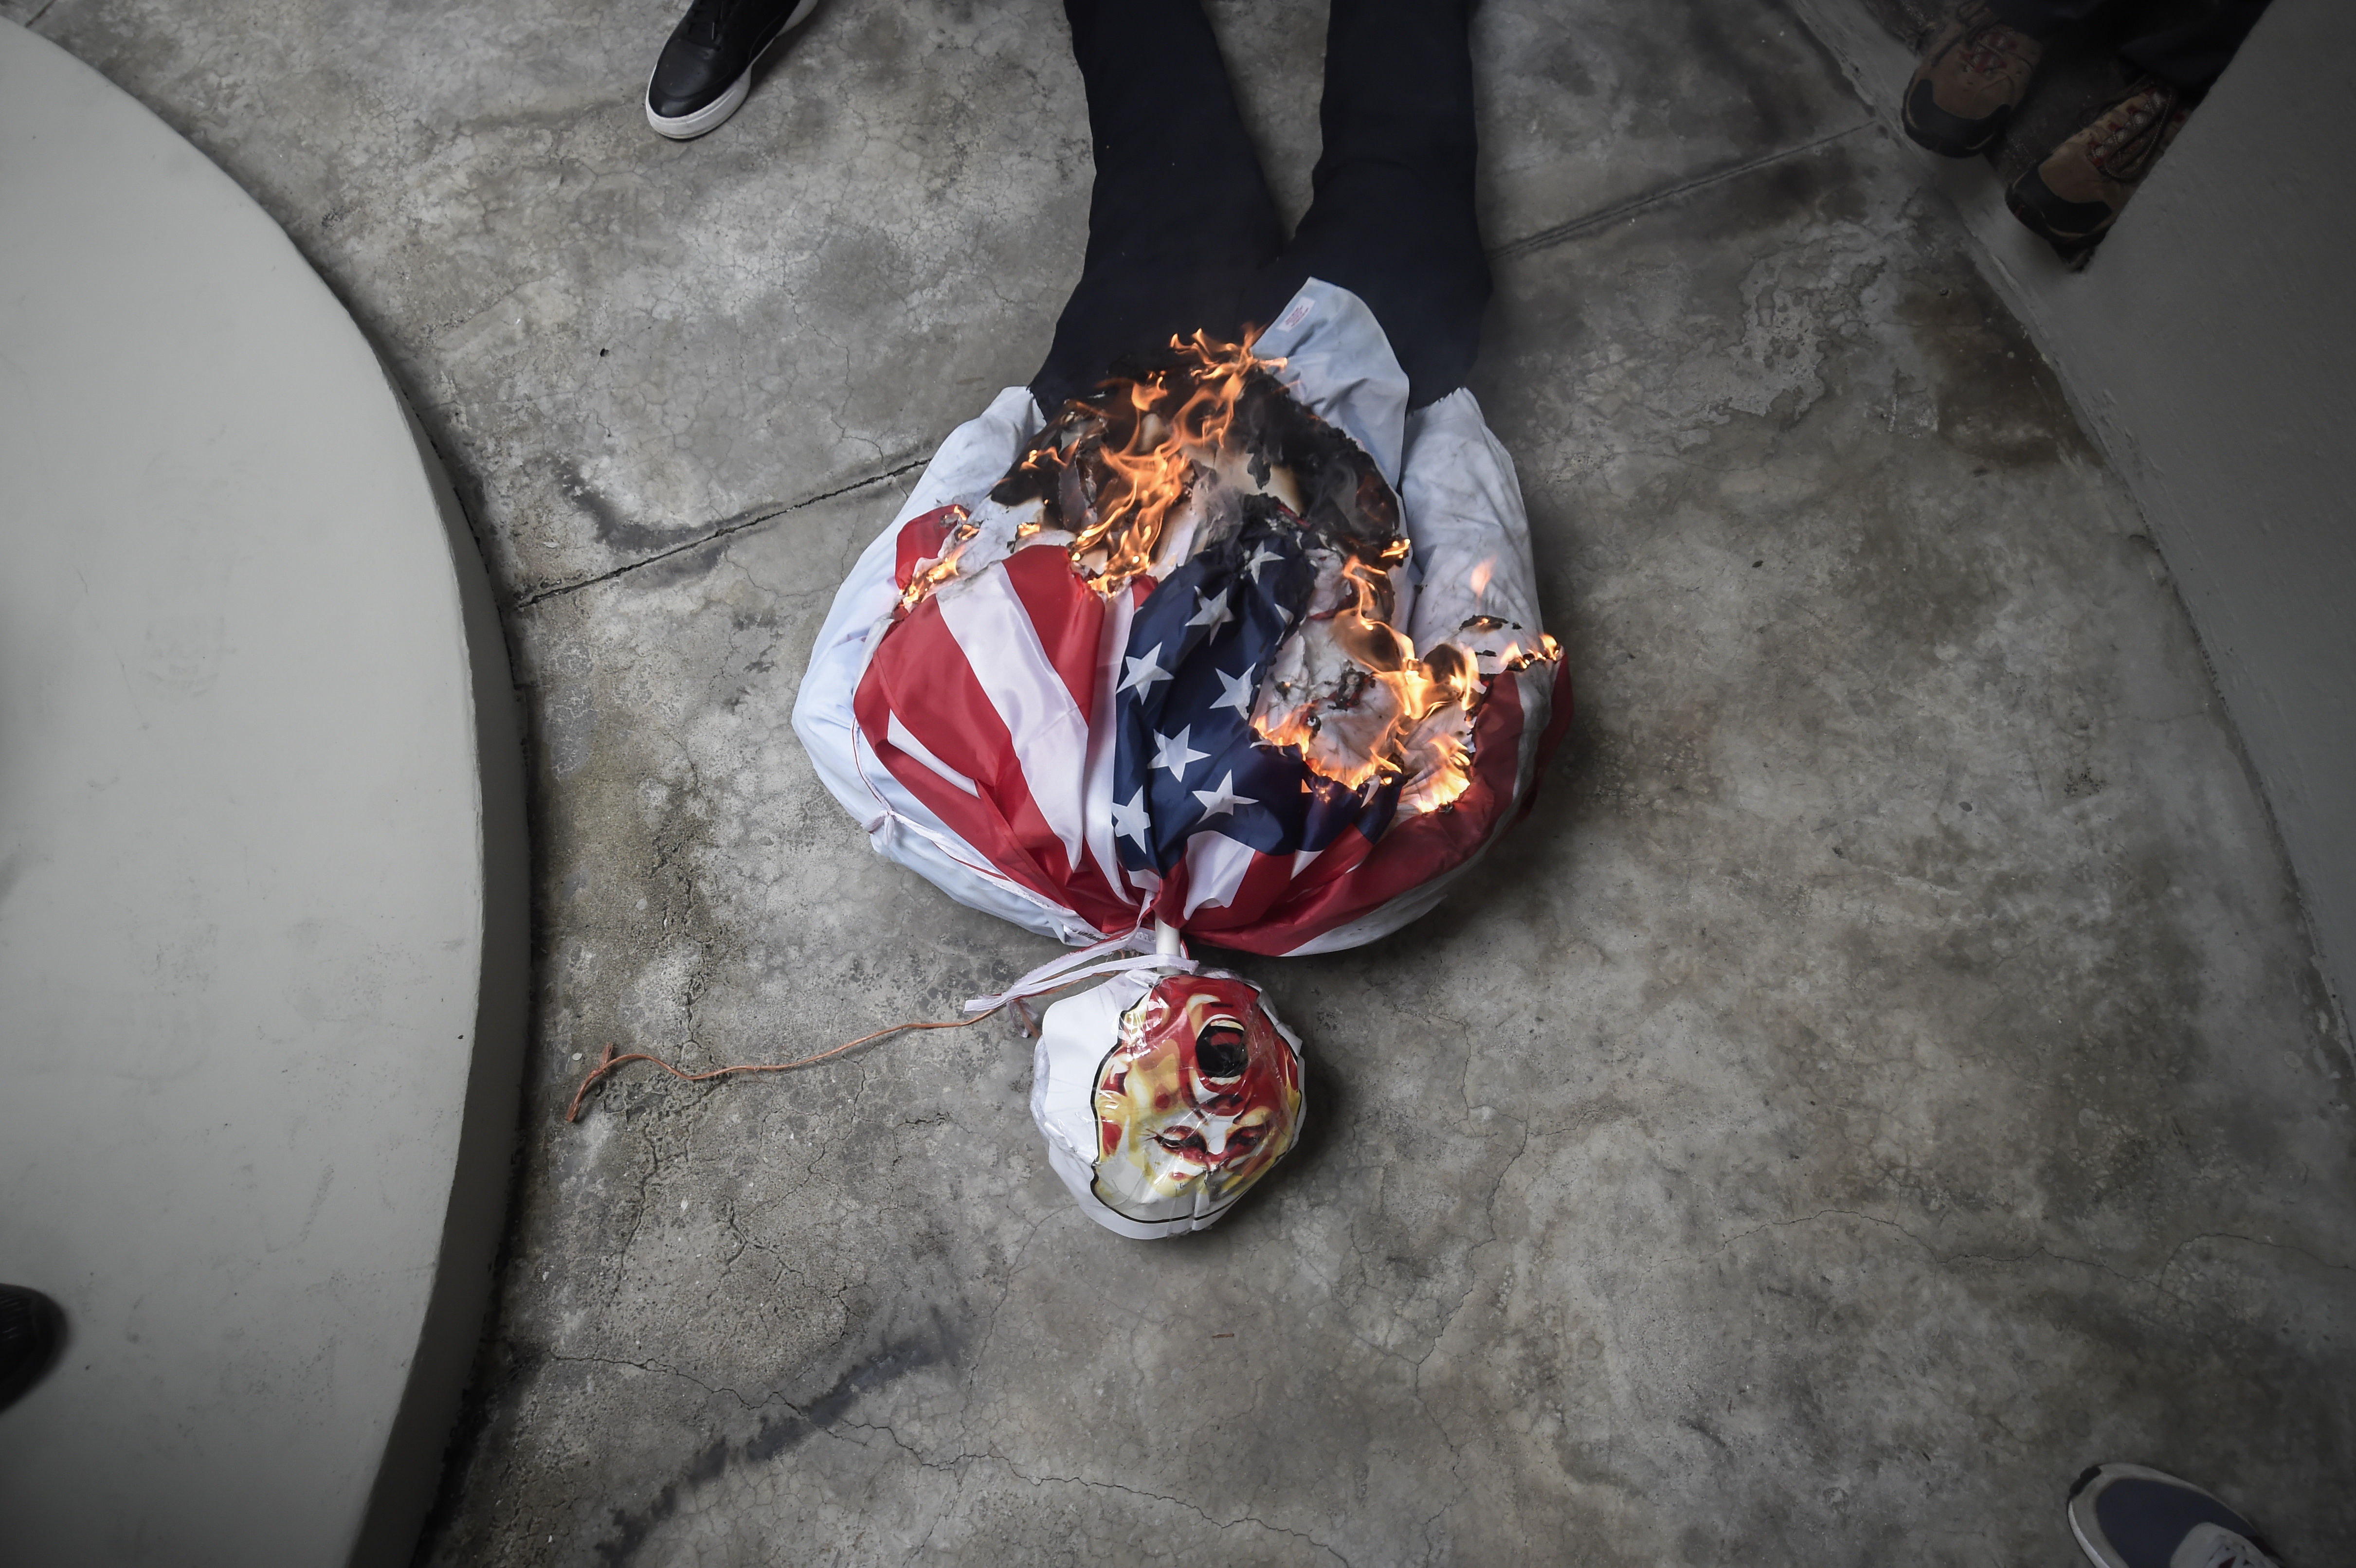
(1140, 670)
(1201, 447)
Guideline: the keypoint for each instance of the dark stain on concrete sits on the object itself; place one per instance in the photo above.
(779, 1432)
(614, 530)
(1998, 400)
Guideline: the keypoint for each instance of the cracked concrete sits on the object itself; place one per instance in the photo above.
(1887, 1075)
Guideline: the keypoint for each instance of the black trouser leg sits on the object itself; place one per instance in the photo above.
(2041, 19)
(1392, 219)
(2195, 55)
(2191, 55)
(1181, 222)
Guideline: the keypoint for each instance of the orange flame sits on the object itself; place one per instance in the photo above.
(930, 574)
(1176, 416)
(1399, 716)
(1408, 716)
(1118, 470)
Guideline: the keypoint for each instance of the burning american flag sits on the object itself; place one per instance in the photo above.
(1187, 658)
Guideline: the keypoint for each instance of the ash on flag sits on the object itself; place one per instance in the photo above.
(1236, 648)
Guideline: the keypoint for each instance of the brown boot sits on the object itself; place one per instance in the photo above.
(1970, 77)
(2076, 195)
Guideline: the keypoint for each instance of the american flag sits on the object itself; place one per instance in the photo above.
(1097, 750)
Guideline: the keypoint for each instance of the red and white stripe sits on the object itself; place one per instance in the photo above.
(991, 703)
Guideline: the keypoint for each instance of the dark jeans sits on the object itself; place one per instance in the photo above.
(1183, 233)
(2191, 54)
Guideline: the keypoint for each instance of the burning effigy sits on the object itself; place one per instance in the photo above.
(1185, 660)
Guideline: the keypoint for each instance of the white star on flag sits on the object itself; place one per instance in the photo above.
(1173, 752)
(1224, 800)
(1143, 673)
(1238, 690)
(1129, 821)
(1260, 556)
(1211, 613)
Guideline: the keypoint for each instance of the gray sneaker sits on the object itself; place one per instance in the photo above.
(2125, 1516)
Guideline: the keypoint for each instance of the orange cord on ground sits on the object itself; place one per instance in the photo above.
(609, 1061)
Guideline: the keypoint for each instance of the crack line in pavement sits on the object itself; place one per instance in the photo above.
(2151, 1282)
(1545, 238)
(735, 526)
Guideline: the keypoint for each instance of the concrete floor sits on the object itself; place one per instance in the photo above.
(1887, 1075)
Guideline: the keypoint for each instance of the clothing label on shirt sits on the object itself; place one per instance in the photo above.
(1296, 315)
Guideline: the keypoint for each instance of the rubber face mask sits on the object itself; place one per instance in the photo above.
(1199, 1097)
(1164, 1096)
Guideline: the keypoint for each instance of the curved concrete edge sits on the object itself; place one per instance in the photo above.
(417, 1447)
(423, 1381)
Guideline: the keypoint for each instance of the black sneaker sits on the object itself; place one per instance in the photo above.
(31, 1329)
(2127, 1517)
(706, 68)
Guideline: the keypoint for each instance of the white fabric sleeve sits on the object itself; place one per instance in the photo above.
(1463, 505)
(1338, 362)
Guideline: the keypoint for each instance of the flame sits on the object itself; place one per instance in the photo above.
(1387, 731)
(1488, 637)
(1399, 716)
(1404, 717)
(1175, 417)
(1394, 715)
(1359, 706)
(931, 573)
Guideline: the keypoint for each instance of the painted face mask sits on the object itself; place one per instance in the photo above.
(1164, 1098)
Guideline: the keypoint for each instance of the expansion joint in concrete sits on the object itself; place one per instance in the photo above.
(736, 525)
(1546, 238)
(2152, 1281)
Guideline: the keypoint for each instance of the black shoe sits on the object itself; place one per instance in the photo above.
(706, 68)
(31, 1329)
(2125, 1516)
